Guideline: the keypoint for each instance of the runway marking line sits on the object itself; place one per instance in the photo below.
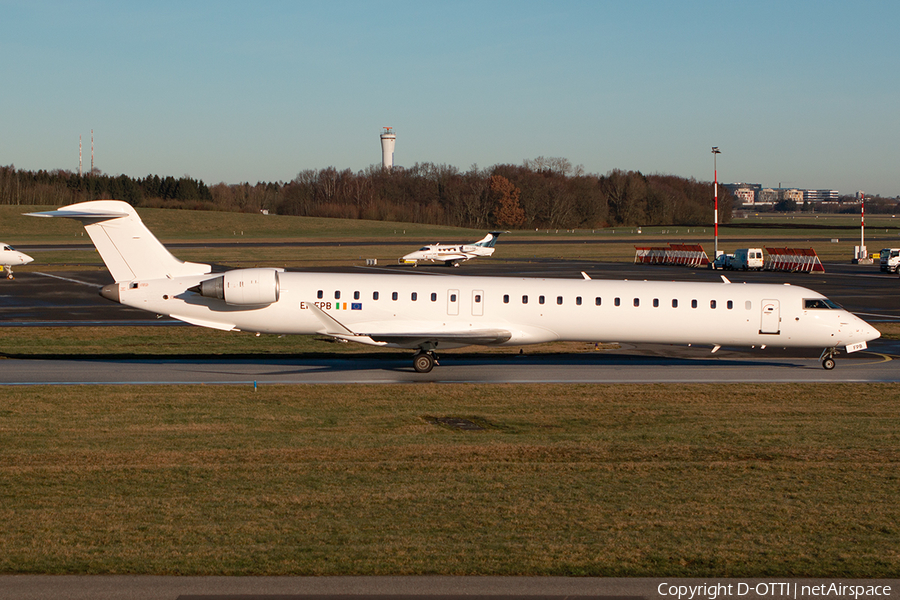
(93, 285)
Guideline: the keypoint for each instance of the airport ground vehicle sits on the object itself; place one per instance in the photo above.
(890, 260)
(722, 261)
(747, 259)
(743, 259)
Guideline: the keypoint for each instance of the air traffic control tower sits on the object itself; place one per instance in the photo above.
(388, 139)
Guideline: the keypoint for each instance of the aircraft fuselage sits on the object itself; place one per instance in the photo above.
(531, 310)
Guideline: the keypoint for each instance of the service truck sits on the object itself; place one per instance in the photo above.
(745, 259)
(890, 259)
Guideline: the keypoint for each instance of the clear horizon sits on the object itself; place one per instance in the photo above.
(801, 93)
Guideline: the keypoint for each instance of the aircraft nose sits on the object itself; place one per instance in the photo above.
(870, 333)
(26, 259)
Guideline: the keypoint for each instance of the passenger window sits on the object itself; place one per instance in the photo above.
(617, 302)
(637, 301)
(578, 300)
(433, 297)
(656, 303)
(524, 299)
(356, 295)
(674, 303)
(320, 294)
(374, 295)
(505, 298)
(597, 300)
(729, 305)
(540, 299)
(712, 303)
(477, 298)
(693, 304)
(393, 295)
(748, 305)
(452, 297)
(337, 295)
(559, 299)
(414, 296)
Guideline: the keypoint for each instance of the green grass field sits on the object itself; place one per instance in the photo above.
(607, 480)
(618, 480)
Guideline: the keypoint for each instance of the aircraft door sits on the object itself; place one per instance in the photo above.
(771, 317)
(453, 302)
(477, 303)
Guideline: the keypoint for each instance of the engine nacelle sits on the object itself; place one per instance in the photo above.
(243, 287)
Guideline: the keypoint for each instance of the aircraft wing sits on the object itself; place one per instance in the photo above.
(474, 337)
(412, 339)
(457, 256)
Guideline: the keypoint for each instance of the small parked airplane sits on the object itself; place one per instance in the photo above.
(10, 257)
(427, 312)
(453, 254)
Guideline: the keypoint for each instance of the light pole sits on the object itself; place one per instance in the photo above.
(715, 151)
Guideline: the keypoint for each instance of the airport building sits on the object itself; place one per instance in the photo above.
(753, 194)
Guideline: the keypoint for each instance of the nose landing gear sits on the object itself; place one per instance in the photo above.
(827, 358)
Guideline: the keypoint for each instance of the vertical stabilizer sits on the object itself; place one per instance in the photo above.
(489, 240)
(125, 244)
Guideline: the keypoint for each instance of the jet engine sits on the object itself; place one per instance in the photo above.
(243, 287)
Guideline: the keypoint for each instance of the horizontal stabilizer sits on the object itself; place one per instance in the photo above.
(125, 244)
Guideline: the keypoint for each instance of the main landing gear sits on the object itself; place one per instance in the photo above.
(827, 358)
(424, 361)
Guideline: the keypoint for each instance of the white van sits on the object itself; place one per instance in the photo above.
(747, 259)
(890, 259)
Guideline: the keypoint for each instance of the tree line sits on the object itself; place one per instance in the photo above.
(539, 193)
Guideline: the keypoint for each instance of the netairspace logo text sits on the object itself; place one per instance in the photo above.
(781, 589)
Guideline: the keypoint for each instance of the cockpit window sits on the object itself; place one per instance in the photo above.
(8, 248)
(819, 303)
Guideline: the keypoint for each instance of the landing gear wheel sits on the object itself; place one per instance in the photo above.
(423, 362)
(828, 364)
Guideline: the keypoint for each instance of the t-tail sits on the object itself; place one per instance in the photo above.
(489, 240)
(126, 246)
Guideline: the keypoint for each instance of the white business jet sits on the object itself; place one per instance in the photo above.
(429, 312)
(10, 257)
(453, 254)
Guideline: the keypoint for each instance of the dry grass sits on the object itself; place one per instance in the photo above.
(636, 480)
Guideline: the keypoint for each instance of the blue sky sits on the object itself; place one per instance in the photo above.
(805, 94)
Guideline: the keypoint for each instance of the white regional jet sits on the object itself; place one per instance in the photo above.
(452, 254)
(428, 312)
(10, 257)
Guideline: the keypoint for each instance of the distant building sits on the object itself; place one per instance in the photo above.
(753, 194)
(767, 196)
(820, 195)
(745, 195)
(793, 194)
